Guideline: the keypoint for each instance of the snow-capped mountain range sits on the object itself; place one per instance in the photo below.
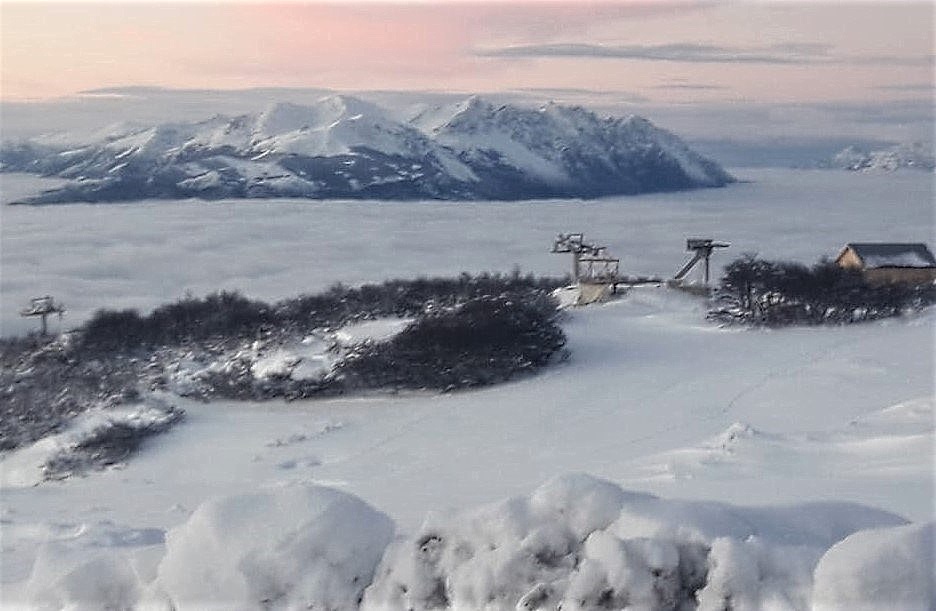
(915, 155)
(344, 147)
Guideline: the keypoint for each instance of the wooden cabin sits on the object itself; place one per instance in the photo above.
(890, 263)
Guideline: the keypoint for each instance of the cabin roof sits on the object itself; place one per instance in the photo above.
(888, 254)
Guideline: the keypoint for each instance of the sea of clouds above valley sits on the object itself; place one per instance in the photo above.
(137, 255)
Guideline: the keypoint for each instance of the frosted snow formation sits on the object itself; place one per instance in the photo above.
(343, 147)
(582, 543)
(575, 543)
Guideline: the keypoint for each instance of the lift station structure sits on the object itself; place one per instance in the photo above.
(593, 265)
(43, 307)
(703, 248)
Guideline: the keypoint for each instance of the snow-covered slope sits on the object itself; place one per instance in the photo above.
(568, 148)
(915, 155)
(345, 147)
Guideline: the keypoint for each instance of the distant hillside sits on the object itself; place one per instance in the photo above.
(916, 155)
(343, 147)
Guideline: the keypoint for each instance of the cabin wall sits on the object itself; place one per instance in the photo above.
(849, 260)
(900, 275)
(592, 293)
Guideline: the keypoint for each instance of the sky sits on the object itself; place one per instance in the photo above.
(780, 52)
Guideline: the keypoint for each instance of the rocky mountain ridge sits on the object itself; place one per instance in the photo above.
(343, 147)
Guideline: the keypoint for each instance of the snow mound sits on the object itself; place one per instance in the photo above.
(302, 547)
(869, 460)
(583, 543)
(92, 566)
(734, 434)
(887, 568)
(908, 415)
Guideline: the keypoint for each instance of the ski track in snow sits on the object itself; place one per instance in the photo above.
(784, 371)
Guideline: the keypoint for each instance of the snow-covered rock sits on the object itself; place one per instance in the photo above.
(341, 146)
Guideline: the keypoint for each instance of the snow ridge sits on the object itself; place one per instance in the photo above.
(343, 147)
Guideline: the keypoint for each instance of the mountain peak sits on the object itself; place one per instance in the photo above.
(340, 146)
(284, 117)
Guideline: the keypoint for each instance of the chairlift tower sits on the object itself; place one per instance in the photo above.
(703, 248)
(599, 264)
(42, 307)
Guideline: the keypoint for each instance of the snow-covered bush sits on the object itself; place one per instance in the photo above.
(757, 291)
(230, 314)
(95, 439)
(108, 437)
(117, 355)
(576, 543)
(482, 341)
(226, 313)
(582, 543)
(303, 547)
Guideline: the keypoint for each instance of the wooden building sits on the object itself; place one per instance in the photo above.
(890, 263)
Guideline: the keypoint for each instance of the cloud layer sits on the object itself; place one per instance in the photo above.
(808, 53)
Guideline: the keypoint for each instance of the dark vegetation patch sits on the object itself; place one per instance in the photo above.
(43, 384)
(483, 341)
(110, 443)
(469, 331)
(231, 315)
(777, 293)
